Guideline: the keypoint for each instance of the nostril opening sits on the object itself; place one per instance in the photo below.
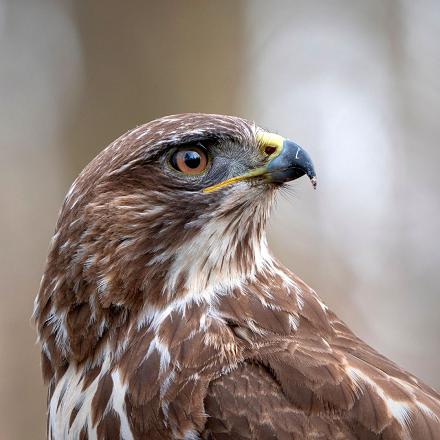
(270, 150)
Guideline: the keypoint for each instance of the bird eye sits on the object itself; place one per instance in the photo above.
(190, 160)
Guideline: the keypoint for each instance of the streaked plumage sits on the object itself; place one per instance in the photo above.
(162, 313)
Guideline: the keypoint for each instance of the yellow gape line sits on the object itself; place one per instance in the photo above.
(254, 173)
(264, 139)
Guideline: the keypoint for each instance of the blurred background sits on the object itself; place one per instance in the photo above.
(355, 82)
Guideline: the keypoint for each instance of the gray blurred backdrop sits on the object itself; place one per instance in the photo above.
(355, 82)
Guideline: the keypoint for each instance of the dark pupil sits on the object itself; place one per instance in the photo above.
(192, 159)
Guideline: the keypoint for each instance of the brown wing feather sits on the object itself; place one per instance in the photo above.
(249, 403)
(315, 378)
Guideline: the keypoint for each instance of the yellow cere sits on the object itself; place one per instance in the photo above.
(264, 139)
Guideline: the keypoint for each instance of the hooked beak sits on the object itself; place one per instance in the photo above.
(286, 161)
(291, 163)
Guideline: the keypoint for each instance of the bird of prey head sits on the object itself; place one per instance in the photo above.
(162, 314)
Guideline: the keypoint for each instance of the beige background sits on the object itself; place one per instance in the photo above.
(355, 82)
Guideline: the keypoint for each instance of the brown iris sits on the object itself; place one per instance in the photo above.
(190, 160)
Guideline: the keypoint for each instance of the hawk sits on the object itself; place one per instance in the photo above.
(162, 313)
